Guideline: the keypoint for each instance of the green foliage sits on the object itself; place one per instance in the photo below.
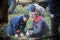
(2, 31)
(13, 38)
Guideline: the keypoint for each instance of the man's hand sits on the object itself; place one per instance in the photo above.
(18, 31)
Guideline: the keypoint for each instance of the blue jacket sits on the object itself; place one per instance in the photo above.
(54, 7)
(16, 23)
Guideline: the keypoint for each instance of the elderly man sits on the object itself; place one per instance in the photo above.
(39, 26)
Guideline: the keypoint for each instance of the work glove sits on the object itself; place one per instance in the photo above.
(18, 31)
(21, 34)
(16, 35)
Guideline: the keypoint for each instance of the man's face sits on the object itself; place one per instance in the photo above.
(33, 15)
(25, 19)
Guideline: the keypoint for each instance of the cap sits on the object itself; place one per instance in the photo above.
(26, 15)
(31, 7)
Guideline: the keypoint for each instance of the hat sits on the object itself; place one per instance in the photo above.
(31, 7)
(26, 15)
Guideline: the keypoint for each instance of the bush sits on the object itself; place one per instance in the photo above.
(2, 31)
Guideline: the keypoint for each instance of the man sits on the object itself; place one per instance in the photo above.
(37, 8)
(54, 7)
(39, 26)
(17, 24)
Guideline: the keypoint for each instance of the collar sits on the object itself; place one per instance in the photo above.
(38, 19)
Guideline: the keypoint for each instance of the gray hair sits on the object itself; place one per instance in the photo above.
(40, 10)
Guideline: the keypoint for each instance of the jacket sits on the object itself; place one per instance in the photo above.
(16, 23)
(41, 27)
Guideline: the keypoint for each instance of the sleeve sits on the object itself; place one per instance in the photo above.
(15, 23)
(45, 27)
(38, 29)
(12, 26)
